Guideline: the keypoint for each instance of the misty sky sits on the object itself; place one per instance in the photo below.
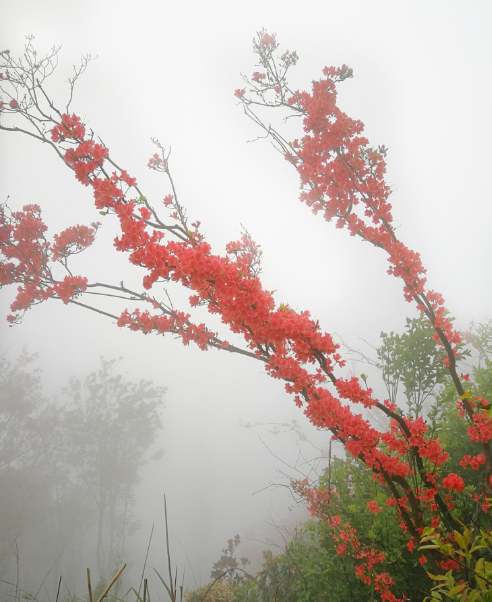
(421, 86)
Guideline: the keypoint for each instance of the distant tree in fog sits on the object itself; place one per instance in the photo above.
(24, 417)
(109, 427)
(69, 470)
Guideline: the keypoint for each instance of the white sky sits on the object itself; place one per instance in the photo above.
(169, 69)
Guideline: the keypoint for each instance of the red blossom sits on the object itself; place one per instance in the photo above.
(476, 461)
(373, 507)
(73, 240)
(449, 565)
(70, 128)
(267, 41)
(453, 482)
(70, 287)
(341, 549)
(257, 77)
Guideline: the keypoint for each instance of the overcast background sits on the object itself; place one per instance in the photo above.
(422, 87)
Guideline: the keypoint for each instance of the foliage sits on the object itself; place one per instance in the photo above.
(227, 568)
(413, 360)
(477, 587)
(220, 591)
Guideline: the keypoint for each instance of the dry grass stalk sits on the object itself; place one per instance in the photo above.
(89, 584)
(110, 585)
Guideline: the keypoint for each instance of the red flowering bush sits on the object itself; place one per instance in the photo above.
(343, 179)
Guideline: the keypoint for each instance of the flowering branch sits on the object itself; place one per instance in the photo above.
(342, 178)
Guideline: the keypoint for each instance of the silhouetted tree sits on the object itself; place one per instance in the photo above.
(24, 447)
(109, 428)
(68, 470)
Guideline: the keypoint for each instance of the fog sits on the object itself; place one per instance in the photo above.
(167, 69)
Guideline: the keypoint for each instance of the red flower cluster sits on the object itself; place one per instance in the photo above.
(85, 159)
(473, 462)
(28, 258)
(344, 178)
(267, 42)
(449, 565)
(481, 430)
(73, 240)
(373, 507)
(453, 482)
(70, 287)
(87, 155)
(70, 128)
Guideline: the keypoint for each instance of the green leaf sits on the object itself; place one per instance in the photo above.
(436, 577)
(136, 593)
(476, 548)
(165, 585)
(456, 589)
(461, 540)
(479, 569)
(450, 582)
(433, 538)
(427, 531)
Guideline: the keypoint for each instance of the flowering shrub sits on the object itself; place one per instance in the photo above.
(343, 179)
